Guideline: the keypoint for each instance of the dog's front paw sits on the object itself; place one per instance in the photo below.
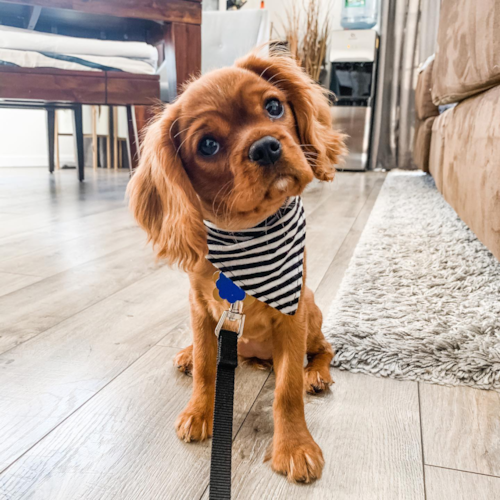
(299, 461)
(316, 381)
(194, 425)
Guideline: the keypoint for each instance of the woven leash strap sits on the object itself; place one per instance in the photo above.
(220, 467)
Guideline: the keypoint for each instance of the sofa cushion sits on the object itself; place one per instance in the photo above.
(424, 106)
(468, 55)
(422, 144)
(436, 153)
(470, 169)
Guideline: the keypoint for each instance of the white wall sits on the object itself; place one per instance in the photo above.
(23, 138)
(23, 135)
(278, 9)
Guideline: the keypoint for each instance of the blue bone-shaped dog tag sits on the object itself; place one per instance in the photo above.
(228, 290)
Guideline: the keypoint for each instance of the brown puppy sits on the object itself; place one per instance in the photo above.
(195, 165)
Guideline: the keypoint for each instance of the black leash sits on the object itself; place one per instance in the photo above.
(220, 467)
(227, 361)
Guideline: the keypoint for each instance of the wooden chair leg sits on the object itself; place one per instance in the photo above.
(94, 138)
(108, 140)
(115, 136)
(111, 135)
(50, 136)
(133, 139)
(56, 142)
(78, 138)
(108, 151)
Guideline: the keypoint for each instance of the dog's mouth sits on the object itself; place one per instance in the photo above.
(288, 179)
(284, 182)
(256, 199)
(282, 186)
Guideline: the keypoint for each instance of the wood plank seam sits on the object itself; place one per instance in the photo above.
(464, 471)
(17, 236)
(461, 428)
(205, 491)
(253, 404)
(51, 223)
(85, 308)
(21, 274)
(376, 186)
(421, 438)
(8, 264)
(86, 402)
(177, 326)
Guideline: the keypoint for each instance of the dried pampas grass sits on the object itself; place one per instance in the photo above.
(306, 33)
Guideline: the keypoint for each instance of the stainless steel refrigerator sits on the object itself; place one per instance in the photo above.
(353, 58)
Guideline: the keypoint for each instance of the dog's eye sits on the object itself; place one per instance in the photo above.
(274, 108)
(208, 146)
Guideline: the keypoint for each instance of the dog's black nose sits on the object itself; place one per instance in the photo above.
(265, 151)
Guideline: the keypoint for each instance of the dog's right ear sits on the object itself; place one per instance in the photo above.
(310, 107)
(163, 200)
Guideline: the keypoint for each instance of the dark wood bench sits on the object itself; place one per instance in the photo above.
(50, 89)
(172, 26)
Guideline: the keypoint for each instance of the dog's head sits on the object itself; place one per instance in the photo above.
(231, 149)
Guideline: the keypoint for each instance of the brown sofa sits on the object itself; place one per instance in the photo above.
(468, 55)
(426, 112)
(463, 149)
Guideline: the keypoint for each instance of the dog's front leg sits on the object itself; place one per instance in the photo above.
(294, 451)
(196, 421)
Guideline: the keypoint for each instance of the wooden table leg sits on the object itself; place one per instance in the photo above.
(78, 137)
(51, 113)
(182, 53)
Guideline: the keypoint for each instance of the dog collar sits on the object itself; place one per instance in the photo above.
(265, 261)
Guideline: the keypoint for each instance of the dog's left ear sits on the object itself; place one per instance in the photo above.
(311, 109)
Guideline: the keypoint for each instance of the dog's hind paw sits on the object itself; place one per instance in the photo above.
(183, 360)
(316, 381)
(256, 363)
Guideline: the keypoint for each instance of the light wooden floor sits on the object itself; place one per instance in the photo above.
(88, 394)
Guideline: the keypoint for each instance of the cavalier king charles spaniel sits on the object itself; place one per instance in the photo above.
(236, 146)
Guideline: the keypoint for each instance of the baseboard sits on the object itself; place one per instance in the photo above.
(32, 161)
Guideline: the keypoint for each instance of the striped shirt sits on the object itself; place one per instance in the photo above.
(267, 260)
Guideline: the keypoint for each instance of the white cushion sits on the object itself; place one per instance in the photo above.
(228, 35)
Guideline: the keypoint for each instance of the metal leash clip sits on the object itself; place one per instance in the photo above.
(234, 314)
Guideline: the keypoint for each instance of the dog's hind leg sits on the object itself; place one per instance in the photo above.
(317, 376)
(183, 360)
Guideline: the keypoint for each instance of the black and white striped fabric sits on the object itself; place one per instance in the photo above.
(267, 260)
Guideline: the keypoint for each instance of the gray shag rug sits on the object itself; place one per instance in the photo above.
(421, 297)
